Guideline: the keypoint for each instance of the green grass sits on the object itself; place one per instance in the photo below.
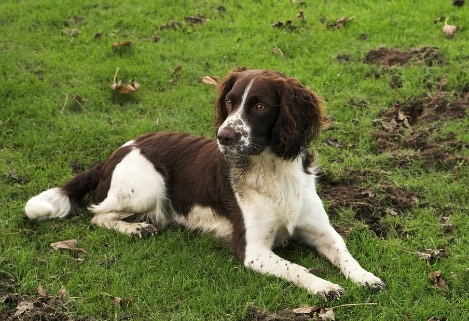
(180, 275)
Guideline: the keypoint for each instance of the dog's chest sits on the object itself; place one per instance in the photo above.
(271, 190)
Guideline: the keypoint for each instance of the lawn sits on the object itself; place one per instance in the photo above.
(394, 174)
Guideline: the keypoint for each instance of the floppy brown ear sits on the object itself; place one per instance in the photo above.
(300, 119)
(221, 112)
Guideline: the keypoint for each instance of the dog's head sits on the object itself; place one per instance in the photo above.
(261, 108)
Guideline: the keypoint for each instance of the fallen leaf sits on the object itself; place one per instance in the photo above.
(390, 211)
(71, 32)
(277, 52)
(432, 255)
(176, 70)
(129, 88)
(340, 23)
(334, 142)
(22, 307)
(449, 30)
(304, 310)
(125, 89)
(198, 19)
(301, 16)
(325, 123)
(210, 80)
(277, 24)
(41, 291)
(63, 295)
(437, 280)
(67, 245)
(326, 314)
(118, 44)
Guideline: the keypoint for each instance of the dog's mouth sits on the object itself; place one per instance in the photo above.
(238, 143)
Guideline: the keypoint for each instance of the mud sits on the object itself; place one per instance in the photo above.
(413, 125)
(388, 57)
(370, 204)
(16, 307)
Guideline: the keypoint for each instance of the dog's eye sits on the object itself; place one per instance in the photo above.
(260, 107)
(228, 104)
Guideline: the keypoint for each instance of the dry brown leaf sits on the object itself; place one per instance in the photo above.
(326, 314)
(63, 295)
(122, 88)
(41, 291)
(210, 80)
(67, 245)
(432, 255)
(71, 32)
(130, 88)
(326, 123)
(317, 313)
(449, 30)
(304, 310)
(118, 44)
(22, 307)
(176, 70)
(334, 142)
(301, 16)
(340, 23)
(194, 20)
(437, 280)
(277, 52)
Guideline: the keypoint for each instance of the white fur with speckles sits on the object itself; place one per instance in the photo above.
(286, 203)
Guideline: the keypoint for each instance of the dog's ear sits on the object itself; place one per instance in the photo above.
(299, 121)
(221, 112)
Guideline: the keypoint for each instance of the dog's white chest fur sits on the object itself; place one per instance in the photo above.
(273, 191)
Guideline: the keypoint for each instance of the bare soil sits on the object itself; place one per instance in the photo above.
(411, 125)
(18, 307)
(388, 57)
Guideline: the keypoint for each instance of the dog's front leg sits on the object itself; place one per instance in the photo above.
(263, 260)
(314, 229)
(258, 255)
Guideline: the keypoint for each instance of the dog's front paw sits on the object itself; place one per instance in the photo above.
(330, 291)
(144, 230)
(370, 281)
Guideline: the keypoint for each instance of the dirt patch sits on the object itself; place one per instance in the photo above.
(370, 204)
(411, 124)
(41, 307)
(388, 57)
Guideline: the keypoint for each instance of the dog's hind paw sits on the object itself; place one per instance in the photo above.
(145, 230)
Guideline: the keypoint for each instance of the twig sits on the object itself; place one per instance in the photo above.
(115, 75)
(353, 305)
(65, 103)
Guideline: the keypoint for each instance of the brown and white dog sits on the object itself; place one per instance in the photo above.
(253, 185)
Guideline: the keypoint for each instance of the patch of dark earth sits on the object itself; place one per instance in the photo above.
(17, 307)
(410, 124)
(387, 57)
(371, 205)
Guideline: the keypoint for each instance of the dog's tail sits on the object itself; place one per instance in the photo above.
(60, 201)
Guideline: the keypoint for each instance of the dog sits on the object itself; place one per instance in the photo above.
(253, 185)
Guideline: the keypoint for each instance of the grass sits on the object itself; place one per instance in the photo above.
(180, 275)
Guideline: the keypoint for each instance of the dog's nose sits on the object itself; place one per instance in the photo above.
(227, 136)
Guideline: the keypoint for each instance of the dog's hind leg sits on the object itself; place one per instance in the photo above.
(136, 188)
(115, 221)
